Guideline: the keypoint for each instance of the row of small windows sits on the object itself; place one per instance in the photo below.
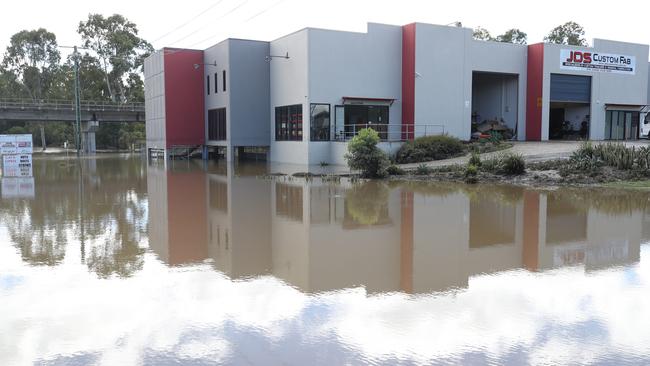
(216, 82)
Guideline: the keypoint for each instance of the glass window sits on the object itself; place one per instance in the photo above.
(216, 85)
(320, 122)
(207, 80)
(217, 124)
(223, 77)
(288, 123)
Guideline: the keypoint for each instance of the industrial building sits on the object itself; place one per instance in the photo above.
(299, 98)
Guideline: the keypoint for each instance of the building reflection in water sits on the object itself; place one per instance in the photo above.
(408, 237)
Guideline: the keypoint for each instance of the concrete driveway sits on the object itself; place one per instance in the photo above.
(531, 151)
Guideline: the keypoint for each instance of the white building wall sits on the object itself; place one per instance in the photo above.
(289, 85)
(154, 94)
(606, 88)
(219, 54)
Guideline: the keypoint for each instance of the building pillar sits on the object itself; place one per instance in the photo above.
(88, 142)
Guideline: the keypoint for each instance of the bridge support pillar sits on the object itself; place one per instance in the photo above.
(88, 144)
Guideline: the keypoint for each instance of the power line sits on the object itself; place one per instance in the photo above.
(211, 23)
(189, 21)
(245, 21)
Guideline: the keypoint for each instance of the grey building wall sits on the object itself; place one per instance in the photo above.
(445, 59)
(366, 65)
(249, 123)
(154, 95)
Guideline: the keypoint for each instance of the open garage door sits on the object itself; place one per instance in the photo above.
(569, 115)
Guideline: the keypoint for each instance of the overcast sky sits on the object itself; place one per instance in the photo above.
(269, 19)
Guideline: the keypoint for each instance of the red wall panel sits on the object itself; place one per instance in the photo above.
(184, 99)
(534, 92)
(408, 81)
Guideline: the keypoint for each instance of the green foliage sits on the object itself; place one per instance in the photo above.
(513, 164)
(120, 50)
(471, 174)
(482, 34)
(569, 33)
(423, 169)
(591, 157)
(475, 159)
(507, 163)
(513, 35)
(496, 137)
(429, 148)
(364, 155)
(395, 170)
(32, 68)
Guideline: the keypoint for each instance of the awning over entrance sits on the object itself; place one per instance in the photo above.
(368, 101)
(627, 107)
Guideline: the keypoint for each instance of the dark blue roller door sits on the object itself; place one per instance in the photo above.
(570, 88)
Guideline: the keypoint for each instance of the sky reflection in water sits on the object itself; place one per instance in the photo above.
(118, 262)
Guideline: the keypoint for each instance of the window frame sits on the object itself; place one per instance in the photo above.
(291, 116)
(216, 84)
(208, 83)
(223, 81)
(217, 124)
(312, 131)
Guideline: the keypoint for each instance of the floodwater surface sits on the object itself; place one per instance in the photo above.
(111, 261)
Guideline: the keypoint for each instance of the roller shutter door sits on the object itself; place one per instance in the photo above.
(570, 88)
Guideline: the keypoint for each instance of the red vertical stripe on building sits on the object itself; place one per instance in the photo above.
(406, 242)
(408, 81)
(184, 97)
(534, 92)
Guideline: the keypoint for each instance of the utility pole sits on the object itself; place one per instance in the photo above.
(77, 101)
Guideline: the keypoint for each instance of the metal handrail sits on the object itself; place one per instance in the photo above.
(387, 132)
(56, 104)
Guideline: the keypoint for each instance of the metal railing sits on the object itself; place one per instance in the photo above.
(387, 132)
(61, 104)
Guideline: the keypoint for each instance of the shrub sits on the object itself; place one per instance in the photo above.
(491, 165)
(395, 170)
(475, 159)
(364, 155)
(423, 169)
(471, 174)
(513, 164)
(429, 148)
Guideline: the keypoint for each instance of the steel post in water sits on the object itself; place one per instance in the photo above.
(77, 101)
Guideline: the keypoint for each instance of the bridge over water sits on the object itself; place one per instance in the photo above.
(92, 114)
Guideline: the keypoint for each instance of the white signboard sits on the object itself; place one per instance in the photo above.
(24, 144)
(592, 61)
(8, 144)
(18, 188)
(17, 161)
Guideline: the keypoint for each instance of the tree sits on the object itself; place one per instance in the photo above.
(482, 34)
(33, 58)
(513, 35)
(119, 48)
(569, 33)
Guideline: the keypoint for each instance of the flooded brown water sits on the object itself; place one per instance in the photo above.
(116, 262)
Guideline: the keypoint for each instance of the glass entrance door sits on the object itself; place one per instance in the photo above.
(622, 125)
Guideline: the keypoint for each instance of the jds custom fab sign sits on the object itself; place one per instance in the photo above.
(594, 61)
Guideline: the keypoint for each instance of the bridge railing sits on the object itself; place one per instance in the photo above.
(61, 104)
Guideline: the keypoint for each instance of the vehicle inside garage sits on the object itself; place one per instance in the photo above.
(570, 104)
(494, 104)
